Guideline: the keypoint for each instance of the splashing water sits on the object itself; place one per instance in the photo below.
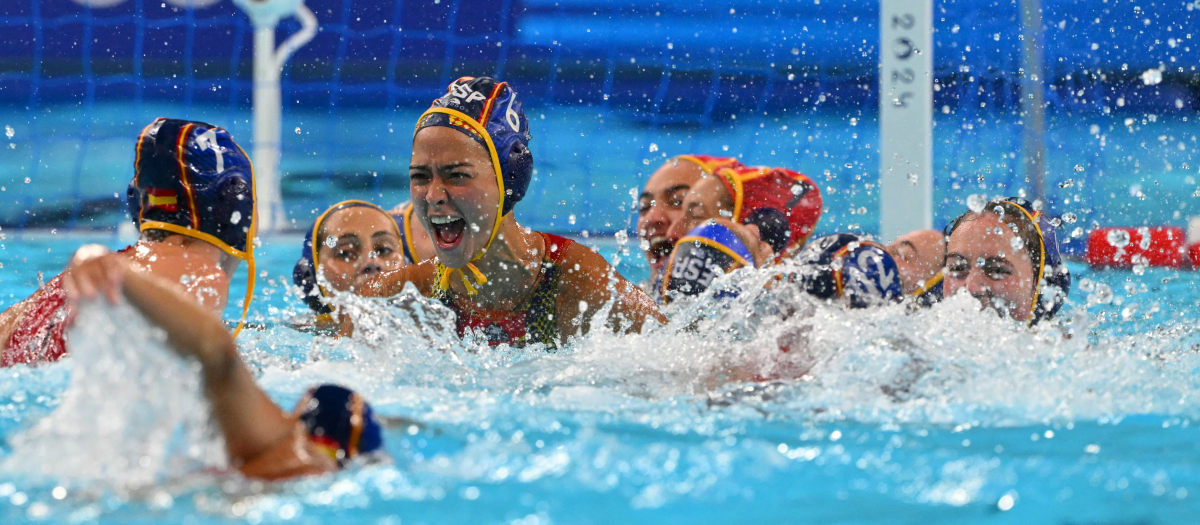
(938, 406)
(132, 414)
(976, 202)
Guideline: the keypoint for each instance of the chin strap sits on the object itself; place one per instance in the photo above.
(444, 281)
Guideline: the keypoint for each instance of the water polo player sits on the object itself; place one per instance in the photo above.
(470, 165)
(414, 240)
(661, 204)
(781, 205)
(192, 198)
(1006, 256)
(347, 243)
(330, 427)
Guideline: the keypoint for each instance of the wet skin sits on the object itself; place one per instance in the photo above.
(661, 205)
(364, 241)
(196, 268)
(919, 256)
(983, 261)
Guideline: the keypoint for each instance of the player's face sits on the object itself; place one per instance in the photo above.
(984, 260)
(661, 205)
(454, 192)
(708, 199)
(357, 242)
(919, 256)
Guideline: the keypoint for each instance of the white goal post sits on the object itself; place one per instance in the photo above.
(905, 116)
(268, 102)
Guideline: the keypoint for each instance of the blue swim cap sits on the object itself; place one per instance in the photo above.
(490, 113)
(192, 179)
(844, 265)
(705, 252)
(340, 422)
(304, 274)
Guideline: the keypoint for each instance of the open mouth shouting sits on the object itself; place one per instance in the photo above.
(660, 247)
(447, 230)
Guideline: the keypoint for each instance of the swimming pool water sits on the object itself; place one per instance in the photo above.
(942, 416)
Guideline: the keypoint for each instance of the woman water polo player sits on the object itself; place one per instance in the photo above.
(661, 205)
(347, 243)
(470, 165)
(330, 427)
(192, 198)
(1006, 256)
(414, 240)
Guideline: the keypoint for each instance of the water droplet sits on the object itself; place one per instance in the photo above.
(1017, 243)
(297, 131)
(644, 245)
(975, 202)
(330, 241)
(1069, 218)
(913, 178)
(1067, 183)
(622, 237)
(9, 131)
(1103, 294)
(28, 180)
(653, 147)
(235, 217)
(1078, 168)
(1077, 232)
(1086, 285)
(571, 218)
(862, 210)
(1152, 77)
(1118, 238)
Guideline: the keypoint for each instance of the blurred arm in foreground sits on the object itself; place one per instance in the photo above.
(331, 425)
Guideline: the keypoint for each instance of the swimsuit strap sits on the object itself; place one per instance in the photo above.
(543, 304)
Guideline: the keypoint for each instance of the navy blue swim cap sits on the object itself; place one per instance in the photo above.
(852, 267)
(190, 178)
(304, 274)
(340, 422)
(491, 114)
(707, 251)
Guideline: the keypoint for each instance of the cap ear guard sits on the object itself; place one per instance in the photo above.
(1054, 279)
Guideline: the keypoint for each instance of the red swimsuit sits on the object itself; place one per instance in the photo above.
(39, 335)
